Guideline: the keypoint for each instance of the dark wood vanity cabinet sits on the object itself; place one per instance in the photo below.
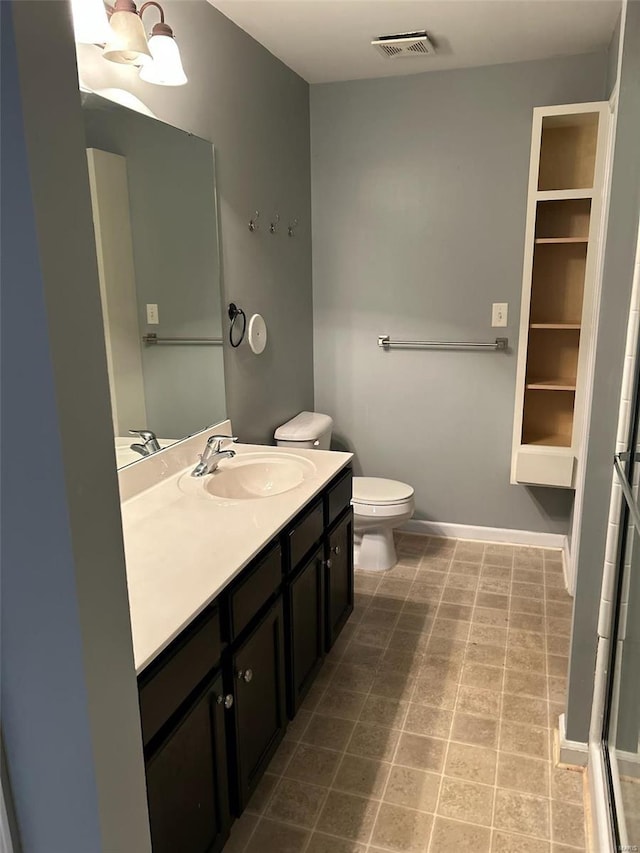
(257, 679)
(339, 577)
(187, 787)
(214, 705)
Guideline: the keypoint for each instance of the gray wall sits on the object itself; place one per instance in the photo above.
(419, 203)
(174, 226)
(256, 112)
(70, 719)
(614, 310)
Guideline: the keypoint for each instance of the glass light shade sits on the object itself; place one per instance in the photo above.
(128, 43)
(90, 22)
(166, 68)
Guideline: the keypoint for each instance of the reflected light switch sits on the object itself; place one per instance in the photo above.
(152, 315)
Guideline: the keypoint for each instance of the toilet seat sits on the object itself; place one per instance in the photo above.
(376, 497)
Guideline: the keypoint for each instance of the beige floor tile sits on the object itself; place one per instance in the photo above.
(524, 709)
(527, 590)
(530, 775)
(280, 760)
(488, 635)
(383, 711)
(558, 645)
(313, 764)
(313, 697)
(496, 572)
(557, 689)
(526, 660)
(361, 655)
(558, 627)
(525, 683)
(429, 691)
(524, 574)
(474, 700)
(401, 829)
(564, 848)
(262, 794)
(440, 668)
(358, 679)
(450, 628)
(524, 740)
(365, 777)
(423, 753)
(567, 823)
(393, 685)
(557, 665)
(478, 731)
(273, 837)
(522, 813)
(329, 844)
(485, 654)
(445, 647)
(296, 727)
(519, 639)
(526, 555)
(379, 617)
(405, 640)
(425, 720)
(296, 802)
(487, 616)
(472, 763)
(415, 789)
(241, 833)
(468, 801)
(453, 594)
(471, 551)
(372, 741)
(532, 606)
(348, 816)
(399, 660)
(567, 785)
(328, 732)
(492, 601)
(452, 835)
(500, 586)
(341, 703)
(417, 620)
(458, 612)
(499, 555)
(480, 675)
(526, 622)
(464, 576)
(505, 842)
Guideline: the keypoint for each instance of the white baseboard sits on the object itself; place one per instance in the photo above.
(489, 534)
(571, 753)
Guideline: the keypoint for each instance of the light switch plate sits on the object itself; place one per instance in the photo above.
(152, 314)
(499, 314)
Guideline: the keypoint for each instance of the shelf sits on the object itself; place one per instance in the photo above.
(563, 218)
(551, 440)
(564, 195)
(568, 151)
(551, 385)
(557, 286)
(570, 327)
(562, 239)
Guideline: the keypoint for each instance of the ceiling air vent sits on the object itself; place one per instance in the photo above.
(404, 44)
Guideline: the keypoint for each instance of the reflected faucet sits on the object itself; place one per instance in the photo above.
(149, 443)
(213, 454)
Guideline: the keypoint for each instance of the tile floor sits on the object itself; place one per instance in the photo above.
(430, 726)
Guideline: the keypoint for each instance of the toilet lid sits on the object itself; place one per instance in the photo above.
(376, 490)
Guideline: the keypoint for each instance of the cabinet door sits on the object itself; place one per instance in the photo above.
(339, 578)
(305, 628)
(260, 713)
(187, 780)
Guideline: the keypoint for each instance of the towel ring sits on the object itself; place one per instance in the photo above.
(234, 313)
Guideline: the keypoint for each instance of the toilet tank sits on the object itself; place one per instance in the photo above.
(306, 430)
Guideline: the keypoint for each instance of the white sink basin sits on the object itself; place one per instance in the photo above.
(252, 476)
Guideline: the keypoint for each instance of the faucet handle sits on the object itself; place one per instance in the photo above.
(215, 441)
(145, 434)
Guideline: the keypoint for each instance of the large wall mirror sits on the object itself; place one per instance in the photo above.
(155, 218)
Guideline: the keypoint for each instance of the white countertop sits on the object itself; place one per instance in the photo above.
(182, 549)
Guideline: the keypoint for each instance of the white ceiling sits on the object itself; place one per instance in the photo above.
(328, 40)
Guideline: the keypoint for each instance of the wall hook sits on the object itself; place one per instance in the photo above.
(273, 228)
(291, 229)
(253, 222)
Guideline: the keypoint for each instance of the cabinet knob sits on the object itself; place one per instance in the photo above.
(336, 550)
(245, 675)
(327, 563)
(227, 701)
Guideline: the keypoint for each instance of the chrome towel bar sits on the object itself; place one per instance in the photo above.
(500, 344)
(152, 340)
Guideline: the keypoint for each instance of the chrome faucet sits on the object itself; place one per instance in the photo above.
(149, 443)
(213, 454)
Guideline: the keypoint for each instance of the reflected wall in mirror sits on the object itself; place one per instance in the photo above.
(155, 218)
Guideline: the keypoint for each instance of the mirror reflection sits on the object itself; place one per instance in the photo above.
(155, 218)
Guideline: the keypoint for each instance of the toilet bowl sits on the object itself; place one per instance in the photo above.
(379, 506)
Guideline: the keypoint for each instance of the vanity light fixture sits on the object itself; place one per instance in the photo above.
(125, 41)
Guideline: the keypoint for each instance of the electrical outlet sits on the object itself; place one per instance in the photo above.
(152, 315)
(499, 314)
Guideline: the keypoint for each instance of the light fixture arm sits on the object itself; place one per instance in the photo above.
(159, 29)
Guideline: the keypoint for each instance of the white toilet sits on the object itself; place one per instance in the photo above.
(379, 506)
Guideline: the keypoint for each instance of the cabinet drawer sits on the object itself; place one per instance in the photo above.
(178, 672)
(306, 532)
(255, 590)
(552, 468)
(338, 497)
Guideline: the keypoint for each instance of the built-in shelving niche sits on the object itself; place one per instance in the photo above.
(562, 197)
